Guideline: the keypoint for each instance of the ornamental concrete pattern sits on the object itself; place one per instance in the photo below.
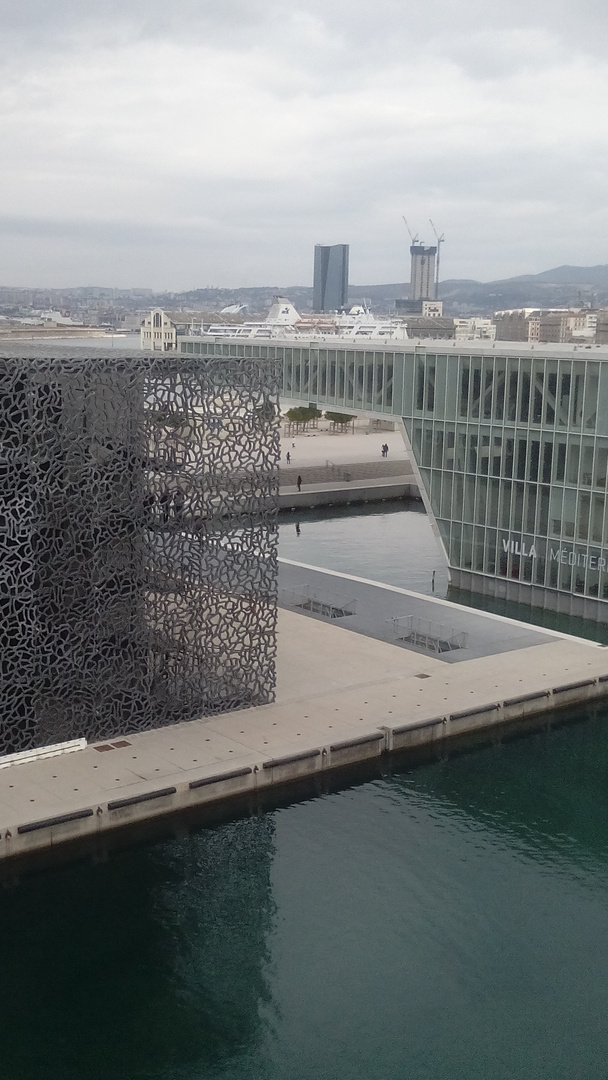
(138, 542)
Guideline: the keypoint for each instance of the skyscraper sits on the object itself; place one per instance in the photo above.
(422, 274)
(330, 283)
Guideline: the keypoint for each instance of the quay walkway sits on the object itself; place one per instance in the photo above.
(340, 470)
(363, 670)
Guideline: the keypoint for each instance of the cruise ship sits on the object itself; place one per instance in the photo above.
(284, 321)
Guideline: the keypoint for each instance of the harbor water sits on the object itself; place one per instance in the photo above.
(440, 921)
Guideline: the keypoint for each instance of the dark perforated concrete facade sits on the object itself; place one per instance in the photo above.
(138, 542)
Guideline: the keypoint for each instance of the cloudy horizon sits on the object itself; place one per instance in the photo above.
(181, 147)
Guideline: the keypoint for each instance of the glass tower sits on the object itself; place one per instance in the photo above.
(330, 282)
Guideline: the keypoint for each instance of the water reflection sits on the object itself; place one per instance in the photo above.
(152, 965)
(447, 921)
(544, 791)
(394, 544)
(554, 620)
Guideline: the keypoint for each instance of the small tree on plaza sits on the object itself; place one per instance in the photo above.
(339, 421)
(301, 418)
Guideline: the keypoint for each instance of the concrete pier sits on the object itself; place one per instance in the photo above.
(412, 671)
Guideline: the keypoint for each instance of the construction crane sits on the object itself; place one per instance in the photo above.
(415, 239)
(440, 240)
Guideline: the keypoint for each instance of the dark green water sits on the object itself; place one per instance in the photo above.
(441, 922)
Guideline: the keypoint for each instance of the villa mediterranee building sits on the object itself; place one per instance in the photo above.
(510, 441)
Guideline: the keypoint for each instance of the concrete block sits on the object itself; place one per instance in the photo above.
(359, 749)
(415, 734)
(293, 766)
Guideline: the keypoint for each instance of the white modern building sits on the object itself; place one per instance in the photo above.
(510, 441)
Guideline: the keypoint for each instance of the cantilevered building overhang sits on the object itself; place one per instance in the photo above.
(511, 443)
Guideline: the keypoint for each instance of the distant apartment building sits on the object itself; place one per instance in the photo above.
(474, 329)
(559, 326)
(330, 280)
(513, 324)
(160, 330)
(429, 326)
(432, 309)
(429, 309)
(601, 330)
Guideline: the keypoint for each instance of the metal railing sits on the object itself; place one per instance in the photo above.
(428, 635)
(318, 602)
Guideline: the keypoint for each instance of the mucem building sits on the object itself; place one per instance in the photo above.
(138, 542)
(511, 444)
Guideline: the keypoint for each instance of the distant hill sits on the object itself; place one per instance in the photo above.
(570, 275)
(559, 287)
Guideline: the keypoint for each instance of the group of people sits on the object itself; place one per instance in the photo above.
(385, 449)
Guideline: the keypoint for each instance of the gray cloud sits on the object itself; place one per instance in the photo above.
(196, 143)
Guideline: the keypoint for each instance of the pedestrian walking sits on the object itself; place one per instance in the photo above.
(386, 449)
(299, 482)
(297, 528)
(288, 457)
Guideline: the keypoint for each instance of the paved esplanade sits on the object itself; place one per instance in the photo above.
(341, 697)
(344, 467)
(319, 447)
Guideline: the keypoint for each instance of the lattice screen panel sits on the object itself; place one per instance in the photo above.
(138, 542)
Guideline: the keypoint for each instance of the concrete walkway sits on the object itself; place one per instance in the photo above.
(345, 492)
(338, 470)
(342, 697)
(428, 625)
(319, 447)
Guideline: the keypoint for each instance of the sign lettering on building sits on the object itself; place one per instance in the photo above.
(519, 548)
(565, 555)
(577, 558)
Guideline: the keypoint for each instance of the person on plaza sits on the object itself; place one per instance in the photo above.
(297, 528)
(299, 482)
(288, 457)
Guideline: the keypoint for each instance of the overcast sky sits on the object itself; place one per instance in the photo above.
(186, 144)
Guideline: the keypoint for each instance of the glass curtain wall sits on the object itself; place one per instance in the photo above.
(510, 453)
(512, 450)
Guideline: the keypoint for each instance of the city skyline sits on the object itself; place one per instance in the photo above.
(179, 149)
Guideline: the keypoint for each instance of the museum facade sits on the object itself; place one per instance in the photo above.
(138, 542)
(510, 441)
